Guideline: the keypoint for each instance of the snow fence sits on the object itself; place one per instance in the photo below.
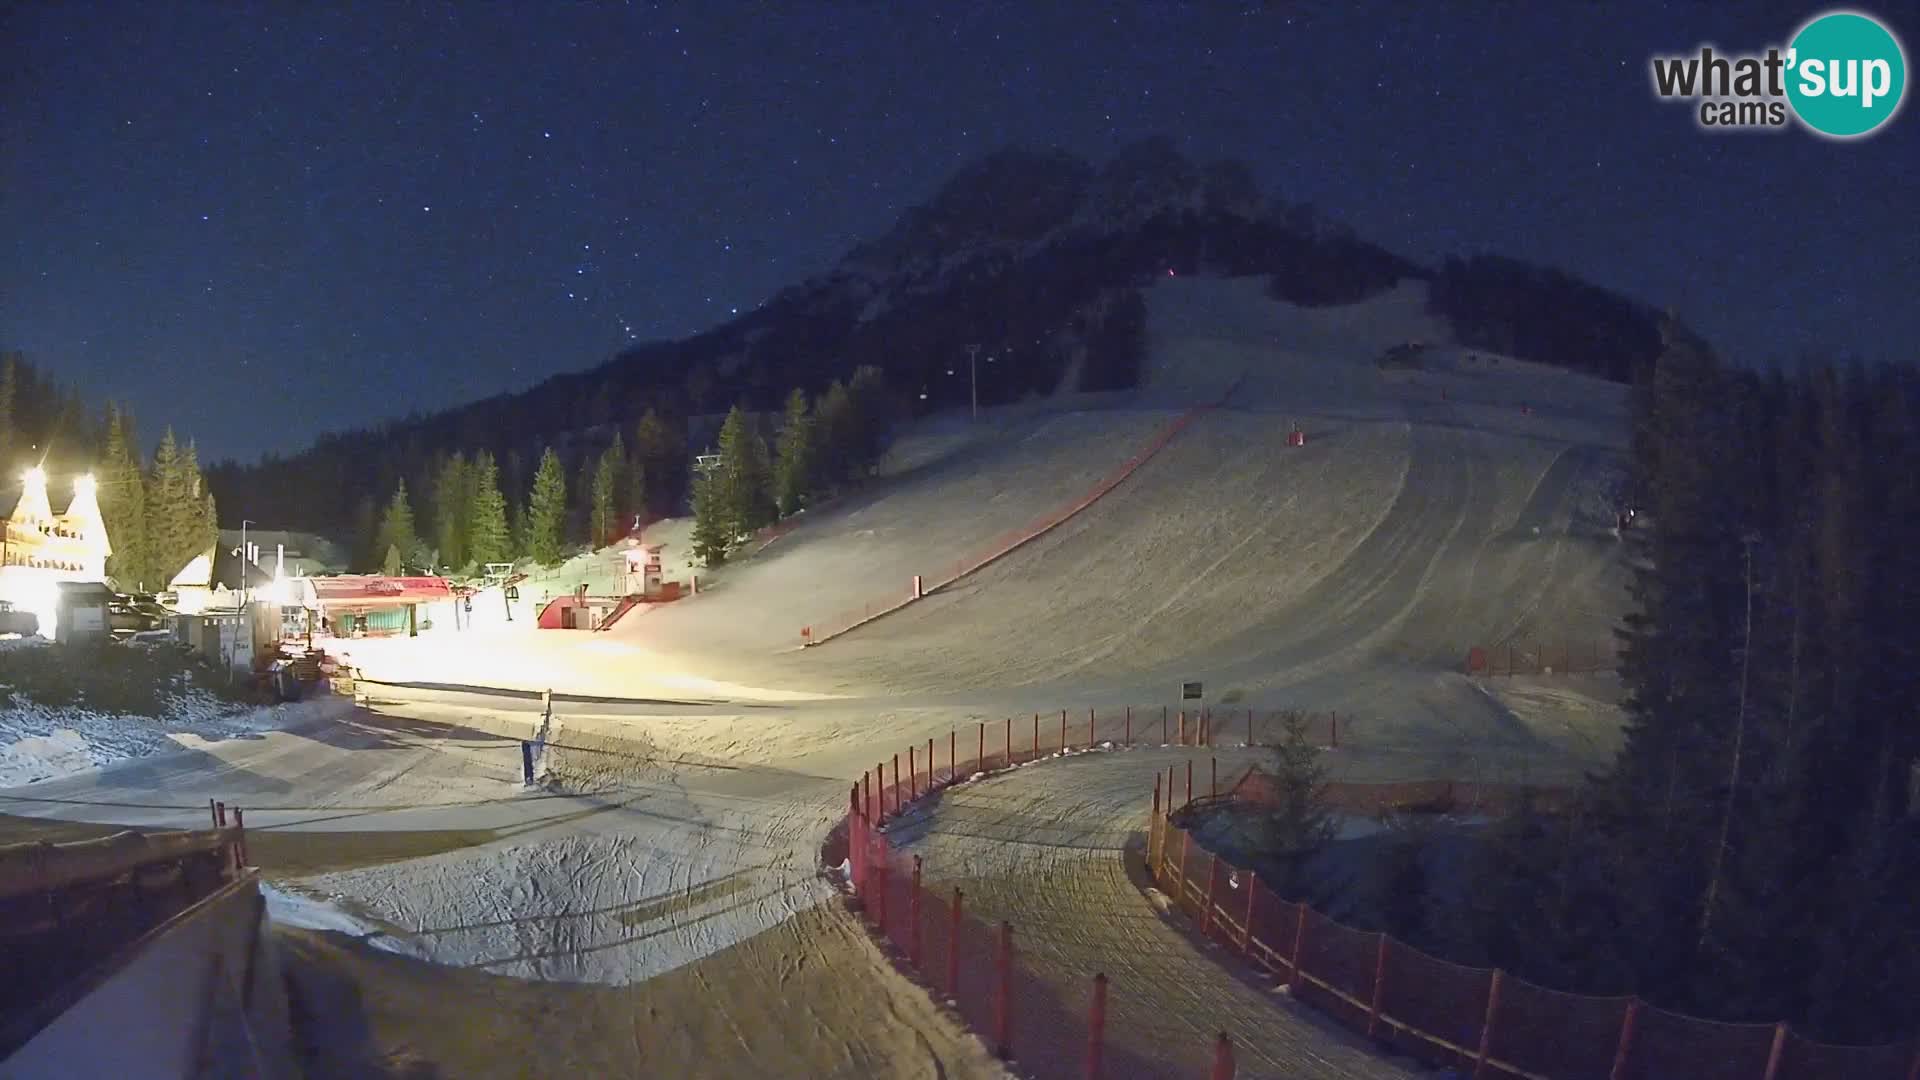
(922, 584)
(1482, 1022)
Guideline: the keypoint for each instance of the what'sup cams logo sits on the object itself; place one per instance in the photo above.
(1842, 76)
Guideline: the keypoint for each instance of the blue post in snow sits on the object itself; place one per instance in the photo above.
(526, 761)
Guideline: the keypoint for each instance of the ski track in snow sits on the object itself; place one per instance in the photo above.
(1348, 574)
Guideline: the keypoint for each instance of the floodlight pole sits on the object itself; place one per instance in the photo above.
(244, 522)
(973, 376)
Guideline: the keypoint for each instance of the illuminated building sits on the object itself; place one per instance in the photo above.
(39, 548)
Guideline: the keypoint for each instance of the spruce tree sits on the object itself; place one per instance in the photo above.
(794, 465)
(1301, 823)
(661, 455)
(604, 516)
(488, 540)
(744, 473)
(834, 437)
(453, 510)
(174, 512)
(547, 511)
(397, 535)
(714, 527)
(123, 503)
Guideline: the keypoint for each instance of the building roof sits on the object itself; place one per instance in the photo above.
(372, 590)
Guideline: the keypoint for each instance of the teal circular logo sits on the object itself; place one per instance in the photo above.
(1846, 74)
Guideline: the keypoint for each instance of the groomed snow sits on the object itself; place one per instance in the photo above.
(1351, 573)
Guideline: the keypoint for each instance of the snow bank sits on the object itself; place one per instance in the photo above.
(39, 742)
(313, 913)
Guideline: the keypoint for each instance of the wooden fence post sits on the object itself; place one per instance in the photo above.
(240, 840)
(1189, 781)
(1036, 736)
(213, 815)
(930, 758)
(1126, 737)
(1379, 986)
(1002, 1012)
(1009, 742)
(220, 814)
(1093, 725)
(1213, 777)
(953, 756)
(913, 774)
(980, 755)
(1625, 1047)
(1183, 727)
(1486, 1026)
(1063, 731)
(1096, 1026)
(896, 782)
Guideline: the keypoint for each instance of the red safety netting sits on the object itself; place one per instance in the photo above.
(842, 621)
(1668, 1044)
(1274, 923)
(1804, 1059)
(1338, 964)
(1446, 1003)
(1550, 1033)
(1426, 1007)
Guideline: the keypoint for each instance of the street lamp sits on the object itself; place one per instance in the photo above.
(244, 561)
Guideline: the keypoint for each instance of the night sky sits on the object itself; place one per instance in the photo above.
(258, 227)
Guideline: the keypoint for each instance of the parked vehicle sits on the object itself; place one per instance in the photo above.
(15, 621)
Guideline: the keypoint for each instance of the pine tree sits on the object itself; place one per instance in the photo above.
(123, 503)
(366, 529)
(744, 473)
(580, 502)
(714, 527)
(453, 510)
(547, 511)
(393, 565)
(397, 535)
(1302, 822)
(834, 437)
(794, 466)
(607, 490)
(174, 512)
(488, 540)
(661, 455)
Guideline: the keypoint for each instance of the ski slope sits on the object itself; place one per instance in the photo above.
(1429, 511)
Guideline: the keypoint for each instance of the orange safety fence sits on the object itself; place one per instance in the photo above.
(1486, 1023)
(845, 620)
(1546, 656)
(1483, 1021)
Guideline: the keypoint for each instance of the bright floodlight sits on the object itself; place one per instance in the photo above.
(35, 475)
(83, 484)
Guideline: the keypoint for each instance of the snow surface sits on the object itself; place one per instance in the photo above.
(1350, 574)
(39, 742)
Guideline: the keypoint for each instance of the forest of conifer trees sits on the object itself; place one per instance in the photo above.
(1754, 852)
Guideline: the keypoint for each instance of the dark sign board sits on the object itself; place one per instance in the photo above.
(1189, 691)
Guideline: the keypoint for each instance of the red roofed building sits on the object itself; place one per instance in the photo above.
(371, 605)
